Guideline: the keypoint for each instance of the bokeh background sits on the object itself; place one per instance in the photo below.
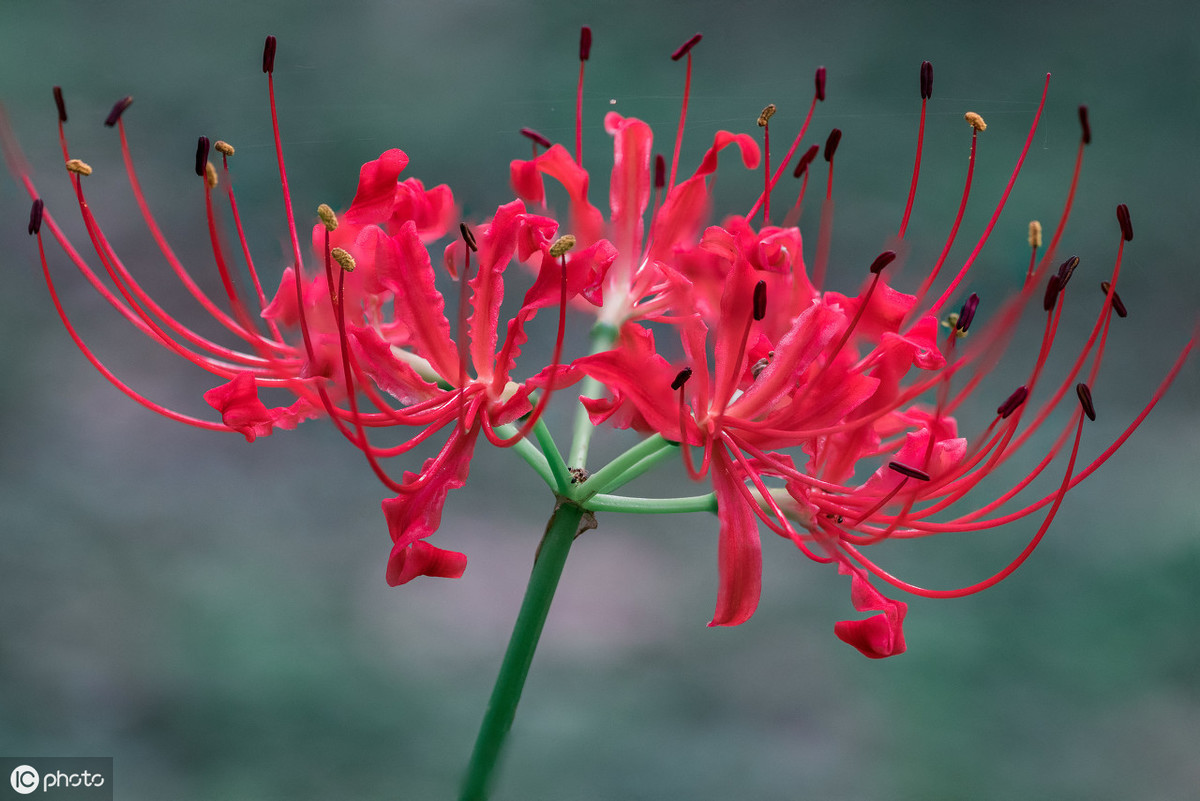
(213, 614)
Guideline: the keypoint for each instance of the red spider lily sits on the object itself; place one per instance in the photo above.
(791, 392)
(824, 372)
(378, 269)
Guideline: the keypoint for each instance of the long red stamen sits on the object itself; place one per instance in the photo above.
(585, 51)
(926, 93)
(684, 49)
(764, 122)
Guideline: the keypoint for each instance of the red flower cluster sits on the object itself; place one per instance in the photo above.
(783, 394)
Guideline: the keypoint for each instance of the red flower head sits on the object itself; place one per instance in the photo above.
(827, 417)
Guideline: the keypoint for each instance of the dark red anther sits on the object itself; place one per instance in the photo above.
(1065, 270)
(1085, 400)
(201, 155)
(269, 55)
(1052, 287)
(117, 110)
(35, 217)
(686, 47)
(468, 236)
(805, 160)
(967, 314)
(1087, 127)
(1126, 224)
(760, 300)
(529, 133)
(882, 260)
(1117, 304)
(59, 104)
(682, 378)
(585, 42)
(835, 136)
(911, 472)
(1013, 402)
(820, 81)
(660, 171)
(926, 80)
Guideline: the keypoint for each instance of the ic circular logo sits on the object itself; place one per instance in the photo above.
(24, 779)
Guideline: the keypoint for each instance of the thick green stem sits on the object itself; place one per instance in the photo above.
(502, 707)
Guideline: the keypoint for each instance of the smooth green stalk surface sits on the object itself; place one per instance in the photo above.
(502, 706)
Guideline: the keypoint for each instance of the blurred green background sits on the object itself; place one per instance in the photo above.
(214, 615)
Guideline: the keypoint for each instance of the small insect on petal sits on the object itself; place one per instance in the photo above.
(1013, 402)
(910, 472)
(35, 217)
(117, 110)
(1117, 304)
(682, 378)
(1126, 224)
(1085, 400)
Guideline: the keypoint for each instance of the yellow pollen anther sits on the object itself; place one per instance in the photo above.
(975, 121)
(210, 175)
(78, 167)
(1035, 234)
(223, 147)
(343, 258)
(328, 218)
(767, 113)
(562, 245)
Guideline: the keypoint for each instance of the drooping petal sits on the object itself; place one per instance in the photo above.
(422, 559)
(739, 551)
(878, 636)
(416, 512)
(241, 409)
